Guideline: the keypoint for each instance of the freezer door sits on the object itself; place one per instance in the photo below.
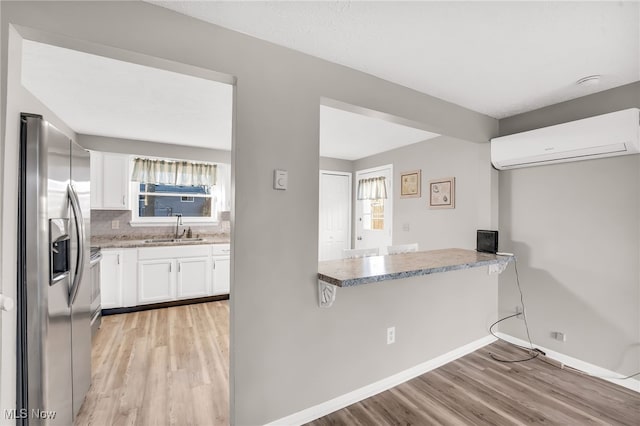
(80, 294)
(44, 314)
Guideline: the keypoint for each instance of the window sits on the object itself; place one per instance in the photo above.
(160, 203)
(373, 214)
(160, 200)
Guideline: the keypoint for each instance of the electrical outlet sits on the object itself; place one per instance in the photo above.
(115, 224)
(391, 335)
(519, 311)
(406, 227)
(558, 335)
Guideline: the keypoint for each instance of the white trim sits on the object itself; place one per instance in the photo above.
(590, 369)
(388, 217)
(350, 214)
(375, 169)
(317, 411)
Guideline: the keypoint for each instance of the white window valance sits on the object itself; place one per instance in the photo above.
(372, 188)
(166, 172)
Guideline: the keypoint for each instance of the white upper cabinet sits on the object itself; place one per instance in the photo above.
(110, 181)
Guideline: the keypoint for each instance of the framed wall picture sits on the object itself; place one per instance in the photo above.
(442, 193)
(410, 184)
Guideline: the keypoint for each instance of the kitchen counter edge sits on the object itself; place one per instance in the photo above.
(103, 244)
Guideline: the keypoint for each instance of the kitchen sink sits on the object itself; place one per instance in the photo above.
(174, 240)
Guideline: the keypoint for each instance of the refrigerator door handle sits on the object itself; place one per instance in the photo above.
(79, 223)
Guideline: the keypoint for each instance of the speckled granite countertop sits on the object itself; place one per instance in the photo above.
(108, 242)
(351, 272)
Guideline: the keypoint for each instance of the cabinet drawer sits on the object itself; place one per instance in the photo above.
(168, 252)
(221, 249)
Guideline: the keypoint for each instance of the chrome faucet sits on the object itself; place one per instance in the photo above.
(178, 223)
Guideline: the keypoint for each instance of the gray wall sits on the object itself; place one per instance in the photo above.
(476, 191)
(165, 150)
(286, 353)
(336, 164)
(622, 97)
(575, 228)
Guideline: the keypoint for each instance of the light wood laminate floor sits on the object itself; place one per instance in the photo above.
(170, 367)
(161, 367)
(475, 390)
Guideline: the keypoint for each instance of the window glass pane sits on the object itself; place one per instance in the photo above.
(165, 205)
(377, 214)
(187, 203)
(373, 214)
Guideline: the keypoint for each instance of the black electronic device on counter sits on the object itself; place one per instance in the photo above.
(487, 241)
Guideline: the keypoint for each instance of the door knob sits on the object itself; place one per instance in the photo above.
(6, 303)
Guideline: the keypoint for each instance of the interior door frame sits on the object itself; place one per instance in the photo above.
(357, 174)
(349, 204)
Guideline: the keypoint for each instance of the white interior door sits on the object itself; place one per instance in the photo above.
(374, 221)
(335, 214)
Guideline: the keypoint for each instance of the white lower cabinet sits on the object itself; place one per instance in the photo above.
(194, 277)
(118, 278)
(221, 275)
(174, 272)
(221, 259)
(140, 276)
(111, 279)
(156, 281)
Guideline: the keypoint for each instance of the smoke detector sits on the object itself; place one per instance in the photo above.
(591, 80)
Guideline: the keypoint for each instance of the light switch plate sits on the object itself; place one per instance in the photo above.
(280, 179)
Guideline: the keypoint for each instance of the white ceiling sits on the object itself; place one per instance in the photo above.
(351, 136)
(106, 97)
(497, 58)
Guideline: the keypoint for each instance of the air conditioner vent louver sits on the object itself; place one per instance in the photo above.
(616, 133)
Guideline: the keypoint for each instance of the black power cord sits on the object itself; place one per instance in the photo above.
(535, 352)
(532, 352)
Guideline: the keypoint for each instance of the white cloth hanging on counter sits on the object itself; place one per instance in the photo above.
(186, 173)
(372, 188)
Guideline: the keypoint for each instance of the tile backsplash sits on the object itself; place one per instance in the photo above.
(101, 221)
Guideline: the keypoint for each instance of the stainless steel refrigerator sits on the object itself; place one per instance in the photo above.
(54, 334)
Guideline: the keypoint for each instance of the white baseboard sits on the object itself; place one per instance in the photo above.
(335, 404)
(591, 369)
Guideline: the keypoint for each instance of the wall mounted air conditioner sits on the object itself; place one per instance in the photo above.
(607, 135)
